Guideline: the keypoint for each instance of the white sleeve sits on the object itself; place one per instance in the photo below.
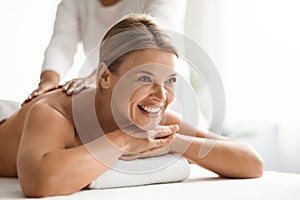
(169, 13)
(60, 52)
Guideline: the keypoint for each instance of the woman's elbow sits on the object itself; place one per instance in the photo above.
(42, 186)
(257, 168)
(252, 168)
(253, 164)
(40, 190)
(36, 192)
(32, 188)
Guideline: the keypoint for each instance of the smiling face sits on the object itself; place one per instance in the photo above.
(143, 88)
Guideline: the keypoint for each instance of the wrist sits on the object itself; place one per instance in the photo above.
(92, 75)
(117, 139)
(49, 76)
(175, 144)
(180, 144)
(105, 149)
(91, 79)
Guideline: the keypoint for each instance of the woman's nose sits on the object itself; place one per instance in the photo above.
(159, 92)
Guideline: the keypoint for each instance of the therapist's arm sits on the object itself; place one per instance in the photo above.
(48, 81)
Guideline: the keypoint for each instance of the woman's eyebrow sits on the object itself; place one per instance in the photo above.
(174, 74)
(145, 72)
(151, 74)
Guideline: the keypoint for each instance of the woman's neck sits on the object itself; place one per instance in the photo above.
(104, 113)
(108, 2)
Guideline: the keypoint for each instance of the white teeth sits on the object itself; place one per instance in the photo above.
(150, 110)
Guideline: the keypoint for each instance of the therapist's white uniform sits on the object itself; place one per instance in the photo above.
(87, 21)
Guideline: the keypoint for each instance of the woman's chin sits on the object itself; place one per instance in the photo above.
(147, 121)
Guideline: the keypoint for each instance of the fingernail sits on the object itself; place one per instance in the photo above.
(69, 92)
(175, 126)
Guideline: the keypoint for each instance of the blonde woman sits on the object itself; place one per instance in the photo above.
(47, 137)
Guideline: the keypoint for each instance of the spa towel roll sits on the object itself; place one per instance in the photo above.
(161, 169)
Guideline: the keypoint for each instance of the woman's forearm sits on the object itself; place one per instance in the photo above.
(66, 171)
(228, 158)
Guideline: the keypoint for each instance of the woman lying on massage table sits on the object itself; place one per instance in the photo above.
(54, 147)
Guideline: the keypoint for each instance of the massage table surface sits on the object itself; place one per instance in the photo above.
(201, 184)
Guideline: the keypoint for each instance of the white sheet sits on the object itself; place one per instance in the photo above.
(201, 184)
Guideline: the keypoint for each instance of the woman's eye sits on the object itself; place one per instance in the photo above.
(145, 79)
(171, 80)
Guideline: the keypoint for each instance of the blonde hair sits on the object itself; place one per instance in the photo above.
(132, 33)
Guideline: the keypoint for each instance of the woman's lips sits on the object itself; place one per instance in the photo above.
(150, 111)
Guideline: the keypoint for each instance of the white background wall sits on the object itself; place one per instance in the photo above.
(256, 46)
(26, 28)
(254, 43)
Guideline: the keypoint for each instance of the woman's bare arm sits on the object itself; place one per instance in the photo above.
(228, 158)
(47, 167)
(222, 155)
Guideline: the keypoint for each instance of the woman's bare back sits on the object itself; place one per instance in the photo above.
(11, 129)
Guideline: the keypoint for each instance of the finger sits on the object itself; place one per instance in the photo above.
(66, 86)
(29, 97)
(26, 100)
(35, 93)
(153, 152)
(165, 131)
(70, 91)
(32, 95)
(131, 157)
(159, 142)
(78, 88)
(40, 90)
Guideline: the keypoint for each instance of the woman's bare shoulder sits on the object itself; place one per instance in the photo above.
(55, 100)
(45, 121)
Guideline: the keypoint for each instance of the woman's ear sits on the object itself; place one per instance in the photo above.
(105, 76)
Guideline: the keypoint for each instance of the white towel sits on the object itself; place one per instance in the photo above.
(161, 169)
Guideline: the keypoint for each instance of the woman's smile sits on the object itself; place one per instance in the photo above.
(151, 111)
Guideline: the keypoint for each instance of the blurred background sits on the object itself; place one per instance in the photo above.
(255, 45)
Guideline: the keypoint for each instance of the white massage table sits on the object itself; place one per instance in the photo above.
(201, 184)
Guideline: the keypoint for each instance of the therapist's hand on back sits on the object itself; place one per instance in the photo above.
(49, 81)
(74, 86)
